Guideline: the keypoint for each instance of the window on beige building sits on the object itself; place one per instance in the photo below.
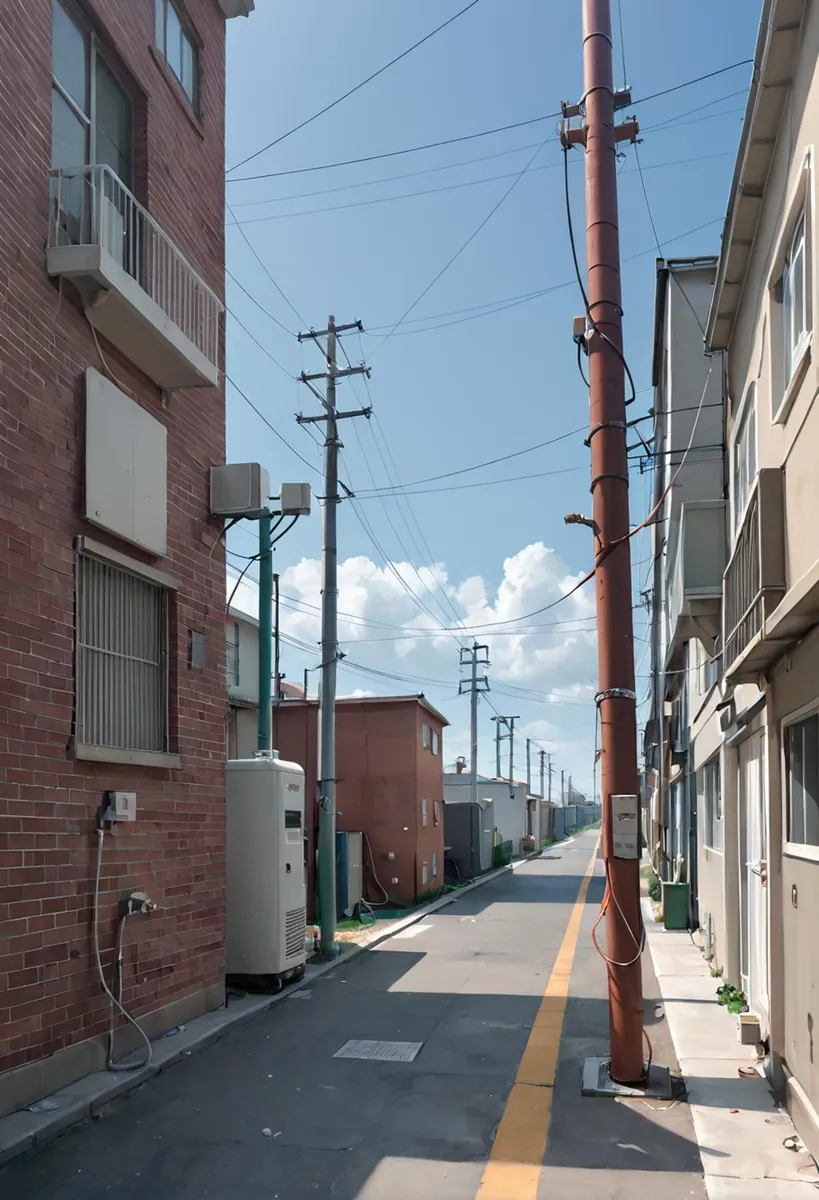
(743, 457)
(709, 792)
(802, 776)
(795, 302)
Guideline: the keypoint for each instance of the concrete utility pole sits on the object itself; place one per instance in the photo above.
(562, 792)
(616, 699)
(528, 766)
(329, 618)
(471, 657)
(509, 722)
(550, 780)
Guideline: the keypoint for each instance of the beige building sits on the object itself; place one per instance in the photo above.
(752, 717)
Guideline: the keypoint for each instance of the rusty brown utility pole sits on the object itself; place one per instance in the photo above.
(616, 699)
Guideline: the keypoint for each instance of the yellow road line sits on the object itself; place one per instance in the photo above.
(514, 1166)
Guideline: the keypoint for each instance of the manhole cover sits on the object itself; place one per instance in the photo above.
(380, 1051)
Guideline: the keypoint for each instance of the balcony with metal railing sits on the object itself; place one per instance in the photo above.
(138, 289)
(754, 581)
(693, 584)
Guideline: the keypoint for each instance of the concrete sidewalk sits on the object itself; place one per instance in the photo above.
(739, 1127)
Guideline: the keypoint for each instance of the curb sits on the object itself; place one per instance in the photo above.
(23, 1131)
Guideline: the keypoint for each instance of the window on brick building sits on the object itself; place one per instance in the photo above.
(425, 736)
(92, 115)
(424, 812)
(436, 812)
(178, 48)
(434, 865)
(122, 682)
(435, 742)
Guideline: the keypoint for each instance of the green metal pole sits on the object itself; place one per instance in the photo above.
(265, 632)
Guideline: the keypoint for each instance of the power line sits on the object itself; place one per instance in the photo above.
(491, 462)
(528, 297)
(253, 338)
(271, 427)
(351, 91)
(461, 248)
(397, 494)
(350, 162)
(261, 263)
(347, 187)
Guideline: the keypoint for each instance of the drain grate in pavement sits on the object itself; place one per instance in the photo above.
(380, 1051)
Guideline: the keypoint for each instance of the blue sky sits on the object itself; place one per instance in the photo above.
(448, 397)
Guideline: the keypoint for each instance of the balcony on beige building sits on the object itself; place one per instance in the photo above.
(754, 581)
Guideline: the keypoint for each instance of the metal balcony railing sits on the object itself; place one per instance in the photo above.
(754, 579)
(743, 595)
(91, 206)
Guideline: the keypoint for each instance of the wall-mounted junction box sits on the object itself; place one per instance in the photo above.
(123, 805)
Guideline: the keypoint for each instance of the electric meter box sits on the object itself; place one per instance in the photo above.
(266, 894)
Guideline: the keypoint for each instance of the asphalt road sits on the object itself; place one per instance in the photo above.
(270, 1114)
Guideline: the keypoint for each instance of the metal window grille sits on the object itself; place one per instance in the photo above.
(122, 658)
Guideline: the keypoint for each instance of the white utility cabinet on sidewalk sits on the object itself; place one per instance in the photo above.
(266, 894)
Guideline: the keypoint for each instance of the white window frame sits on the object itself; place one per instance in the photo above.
(186, 40)
(795, 266)
(424, 875)
(436, 812)
(435, 741)
(232, 666)
(789, 361)
(425, 736)
(89, 118)
(746, 416)
(800, 850)
(711, 805)
(434, 864)
(94, 751)
(424, 811)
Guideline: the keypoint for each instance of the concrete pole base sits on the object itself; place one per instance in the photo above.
(598, 1082)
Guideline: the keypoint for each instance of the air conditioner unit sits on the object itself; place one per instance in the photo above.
(349, 872)
(266, 896)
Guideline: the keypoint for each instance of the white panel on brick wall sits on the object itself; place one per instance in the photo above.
(126, 466)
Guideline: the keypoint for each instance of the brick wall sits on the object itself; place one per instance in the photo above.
(49, 994)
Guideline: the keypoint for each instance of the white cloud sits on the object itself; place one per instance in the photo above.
(542, 668)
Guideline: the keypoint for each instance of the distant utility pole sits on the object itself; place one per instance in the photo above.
(474, 656)
(544, 754)
(329, 616)
(562, 792)
(550, 779)
(509, 723)
(598, 133)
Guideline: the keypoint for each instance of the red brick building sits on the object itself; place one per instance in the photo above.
(112, 409)
(389, 755)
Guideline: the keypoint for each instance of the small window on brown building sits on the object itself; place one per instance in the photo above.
(435, 741)
(425, 736)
